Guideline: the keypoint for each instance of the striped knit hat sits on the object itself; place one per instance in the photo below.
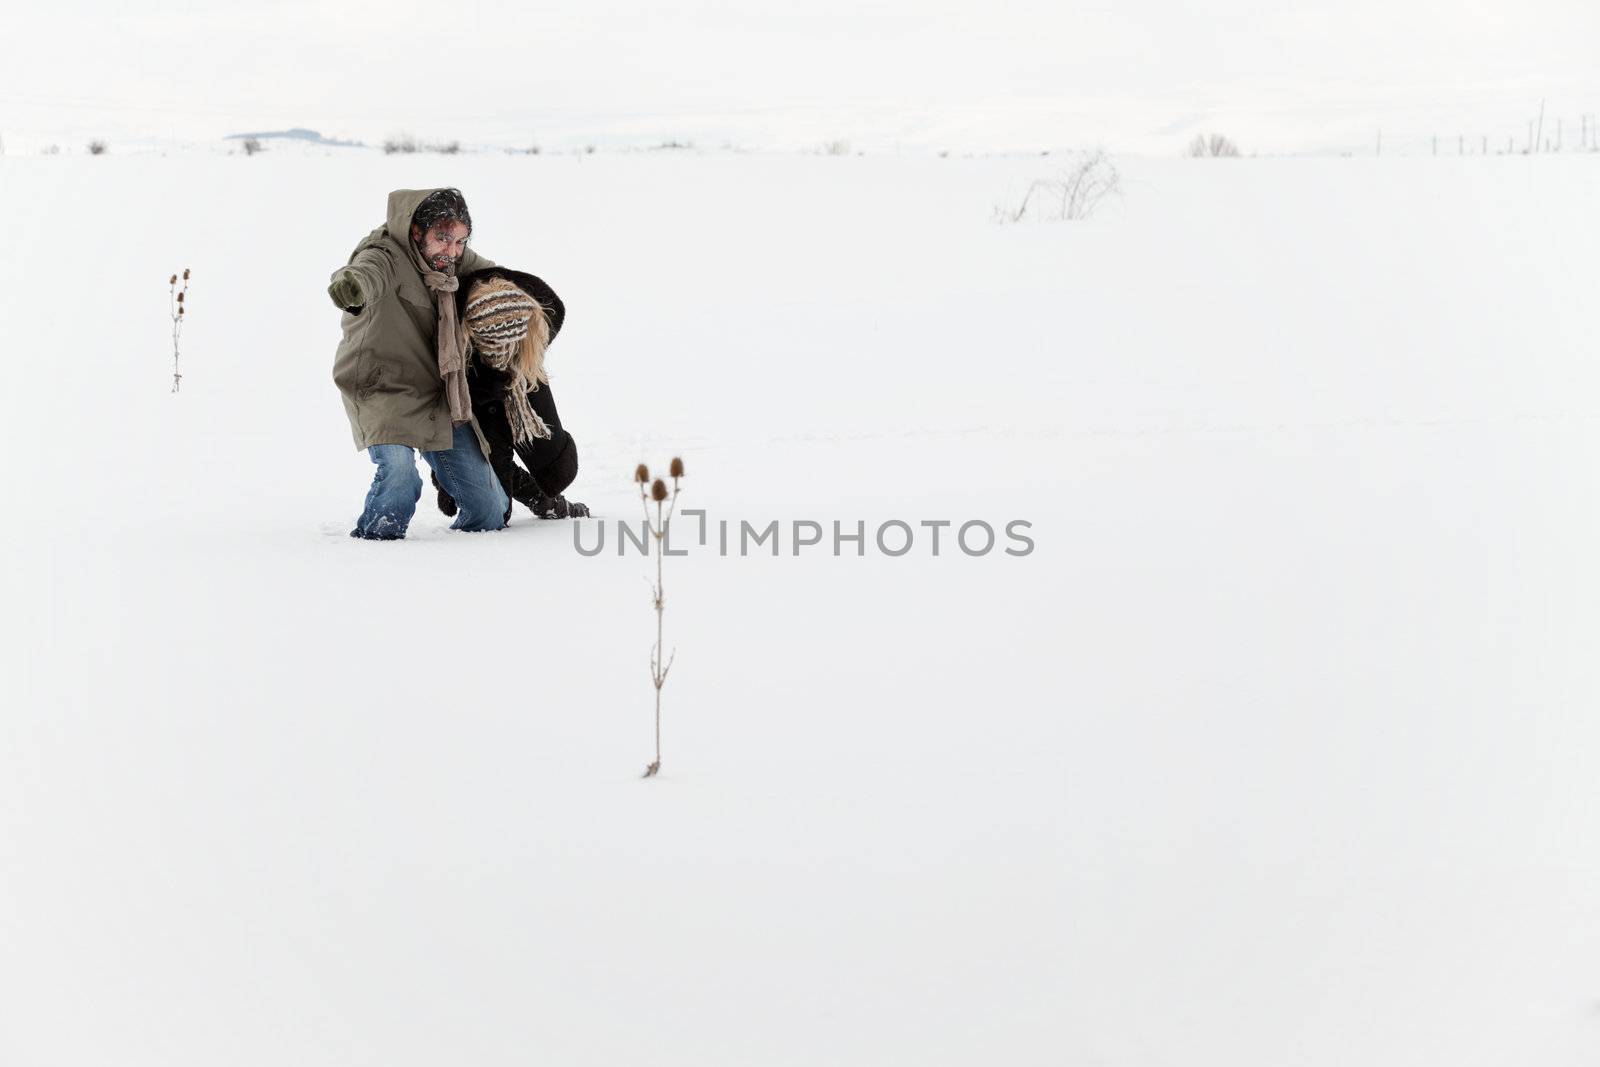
(498, 313)
(501, 320)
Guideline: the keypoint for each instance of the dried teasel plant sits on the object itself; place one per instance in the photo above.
(666, 503)
(175, 302)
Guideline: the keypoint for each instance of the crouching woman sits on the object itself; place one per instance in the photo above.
(510, 319)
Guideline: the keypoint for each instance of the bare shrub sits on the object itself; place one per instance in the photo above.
(836, 148)
(97, 148)
(252, 145)
(1213, 146)
(673, 145)
(52, 150)
(405, 144)
(1073, 193)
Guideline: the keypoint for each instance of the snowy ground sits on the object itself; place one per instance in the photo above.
(1280, 747)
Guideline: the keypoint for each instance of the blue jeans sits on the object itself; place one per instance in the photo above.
(462, 470)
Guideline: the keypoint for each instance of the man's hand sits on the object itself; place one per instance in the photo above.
(345, 292)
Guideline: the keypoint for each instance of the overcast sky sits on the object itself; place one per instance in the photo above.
(1136, 75)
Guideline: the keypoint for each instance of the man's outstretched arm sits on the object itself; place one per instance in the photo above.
(354, 286)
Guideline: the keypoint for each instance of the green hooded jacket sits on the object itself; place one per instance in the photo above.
(387, 365)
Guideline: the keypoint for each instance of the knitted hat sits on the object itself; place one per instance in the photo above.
(498, 314)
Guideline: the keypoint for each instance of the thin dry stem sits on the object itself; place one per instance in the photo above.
(659, 529)
(176, 299)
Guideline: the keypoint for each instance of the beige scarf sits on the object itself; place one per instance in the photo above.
(451, 339)
(525, 422)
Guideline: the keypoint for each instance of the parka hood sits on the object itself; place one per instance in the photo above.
(403, 204)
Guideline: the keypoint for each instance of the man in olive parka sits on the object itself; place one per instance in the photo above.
(401, 364)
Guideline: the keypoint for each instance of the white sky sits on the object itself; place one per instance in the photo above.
(1142, 75)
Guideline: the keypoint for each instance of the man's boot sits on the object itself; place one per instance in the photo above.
(447, 503)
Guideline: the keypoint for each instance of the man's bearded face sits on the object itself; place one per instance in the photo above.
(443, 245)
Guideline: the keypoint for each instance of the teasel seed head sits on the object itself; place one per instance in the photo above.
(641, 474)
(172, 280)
(658, 491)
(186, 274)
(677, 467)
(180, 298)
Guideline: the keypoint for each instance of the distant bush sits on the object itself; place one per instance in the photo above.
(1215, 146)
(533, 150)
(52, 150)
(673, 145)
(836, 148)
(252, 145)
(1073, 193)
(588, 150)
(97, 148)
(406, 144)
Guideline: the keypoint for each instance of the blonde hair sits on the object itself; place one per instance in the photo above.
(530, 356)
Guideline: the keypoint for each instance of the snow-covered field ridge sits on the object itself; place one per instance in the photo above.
(1278, 746)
